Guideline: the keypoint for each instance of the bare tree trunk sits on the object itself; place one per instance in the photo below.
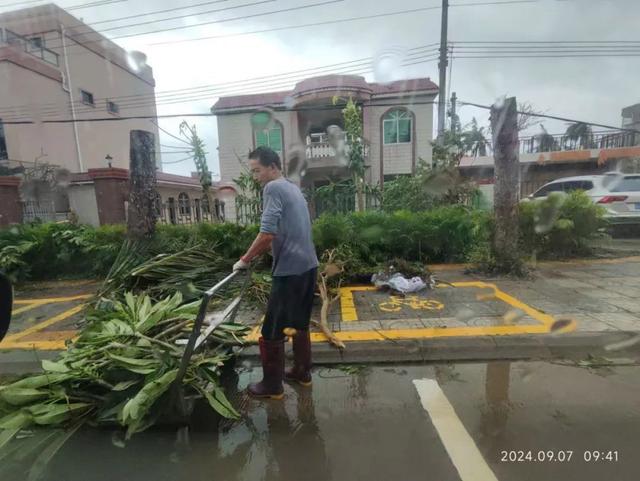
(506, 195)
(141, 221)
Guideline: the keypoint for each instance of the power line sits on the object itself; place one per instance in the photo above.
(547, 56)
(211, 22)
(171, 146)
(155, 12)
(555, 117)
(181, 27)
(247, 89)
(72, 7)
(541, 41)
(292, 27)
(271, 85)
(175, 137)
(183, 16)
(254, 86)
(93, 4)
(169, 116)
(177, 161)
(213, 88)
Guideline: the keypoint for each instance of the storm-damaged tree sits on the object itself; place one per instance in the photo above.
(198, 153)
(143, 196)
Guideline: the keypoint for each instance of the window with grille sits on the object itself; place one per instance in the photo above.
(397, 127)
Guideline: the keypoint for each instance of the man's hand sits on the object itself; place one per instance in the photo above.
(241, 265)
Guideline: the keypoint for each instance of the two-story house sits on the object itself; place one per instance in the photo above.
(397, 125)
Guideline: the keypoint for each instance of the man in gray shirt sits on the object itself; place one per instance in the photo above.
(285, 228)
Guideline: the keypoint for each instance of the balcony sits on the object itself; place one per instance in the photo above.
(30, 46)
(321, 153)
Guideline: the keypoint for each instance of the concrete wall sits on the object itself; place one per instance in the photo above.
(19, 86)
(82, 200)
(106, 80)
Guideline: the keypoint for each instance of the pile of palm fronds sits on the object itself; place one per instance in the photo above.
(120, 370)
(190, 271)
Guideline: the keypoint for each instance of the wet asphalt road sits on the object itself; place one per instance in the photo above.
(371, 425)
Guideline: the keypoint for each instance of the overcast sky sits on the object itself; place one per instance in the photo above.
(592, 89)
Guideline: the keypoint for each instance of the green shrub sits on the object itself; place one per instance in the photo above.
(560, 225)
(438, 235)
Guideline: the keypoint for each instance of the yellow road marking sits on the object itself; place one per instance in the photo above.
(44, 324)
(50, 336)
(26, 308)
(52, 300)
(37, 345)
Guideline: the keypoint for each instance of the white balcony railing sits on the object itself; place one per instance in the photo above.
(319, 148)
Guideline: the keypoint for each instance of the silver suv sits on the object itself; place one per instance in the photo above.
(618, 193)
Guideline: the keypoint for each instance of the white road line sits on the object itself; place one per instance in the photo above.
(461, 448)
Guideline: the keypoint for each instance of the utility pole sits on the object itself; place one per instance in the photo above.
(442, 65)
(506, 194)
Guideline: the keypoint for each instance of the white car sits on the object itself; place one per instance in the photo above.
(618, 193)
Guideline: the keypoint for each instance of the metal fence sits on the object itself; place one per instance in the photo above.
(561, 142)
(190, 212)
(33, 211)
(343, 201)
(248, 210)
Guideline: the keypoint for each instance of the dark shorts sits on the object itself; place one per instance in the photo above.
(290, 303)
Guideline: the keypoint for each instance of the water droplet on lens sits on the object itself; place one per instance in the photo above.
(289, 102)
(618, 346)
(464, 315)
(136, 60)
(387, 64)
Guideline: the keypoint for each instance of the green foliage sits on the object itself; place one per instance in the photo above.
(430, 187)
(474, 139)
(52, 250)
(120, 369)
(249, 199)
(439, 235)
(560, 225)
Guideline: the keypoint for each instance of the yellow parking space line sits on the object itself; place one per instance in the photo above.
(26, 308)
(38, 327)
(41, 336)
(31, 345)
(52, 300)
(427, 333)
(349, 313)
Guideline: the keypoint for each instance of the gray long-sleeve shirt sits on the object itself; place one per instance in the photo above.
(285, 215)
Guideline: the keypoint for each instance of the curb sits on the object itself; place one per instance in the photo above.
(484, 348)
(452, 349)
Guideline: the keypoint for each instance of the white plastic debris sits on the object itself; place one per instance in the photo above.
(398, 282)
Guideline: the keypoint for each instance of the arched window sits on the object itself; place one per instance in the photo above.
(184, 206)
(396, 126)
(204, 203)
(267, 131)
